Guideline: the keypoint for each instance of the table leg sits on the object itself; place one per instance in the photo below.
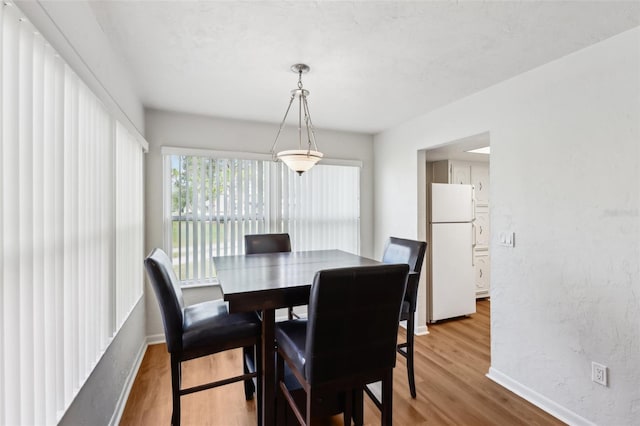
(268, 367)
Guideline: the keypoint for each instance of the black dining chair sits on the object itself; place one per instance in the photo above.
(269, 243)
(202, 329)
(347, 341)
(411, 252)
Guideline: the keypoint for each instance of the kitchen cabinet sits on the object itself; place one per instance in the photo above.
(482, 273)
(480, 181)
(482, 228)
(460, 173)
(466, 173)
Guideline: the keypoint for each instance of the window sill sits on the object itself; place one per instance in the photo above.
(199, 284)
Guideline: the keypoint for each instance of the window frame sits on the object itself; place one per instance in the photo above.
(273, 216)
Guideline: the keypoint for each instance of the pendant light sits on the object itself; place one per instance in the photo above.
(302, 159)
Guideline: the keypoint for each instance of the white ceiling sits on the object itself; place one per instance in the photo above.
(374, 64)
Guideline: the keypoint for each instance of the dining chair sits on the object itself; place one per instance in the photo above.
(269, 243)
(347, 341)
(411, 252)
(202, 329)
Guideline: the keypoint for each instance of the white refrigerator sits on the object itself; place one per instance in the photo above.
(451, 285)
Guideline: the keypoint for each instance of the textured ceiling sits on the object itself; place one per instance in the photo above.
(374, 64)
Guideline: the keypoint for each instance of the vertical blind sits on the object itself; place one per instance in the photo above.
(214, 202)
(321, 209)
(129, 224)
(70, 227)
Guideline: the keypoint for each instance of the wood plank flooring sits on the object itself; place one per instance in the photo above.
(451, 363)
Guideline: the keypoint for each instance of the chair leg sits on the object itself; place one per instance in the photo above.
(281, 403)
(410, 371)
(258, 364)
(310, 397)
(292, 314)
(248, 357)
(348, 408)
(176, 372)
(358, 406)
(387, 399)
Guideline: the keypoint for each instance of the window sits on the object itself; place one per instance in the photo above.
(214, 199)
(214, 202)
(71, 227)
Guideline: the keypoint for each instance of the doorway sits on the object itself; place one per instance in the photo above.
(455, 163)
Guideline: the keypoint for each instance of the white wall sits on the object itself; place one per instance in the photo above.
(184, 130)
(565, 160)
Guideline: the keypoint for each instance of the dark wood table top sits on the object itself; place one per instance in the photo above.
(276, 280)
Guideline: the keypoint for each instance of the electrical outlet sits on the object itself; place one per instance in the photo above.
(599, 373)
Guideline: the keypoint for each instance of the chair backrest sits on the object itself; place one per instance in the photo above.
(169, 294)
(353, 321)
(411, 252)
(267, 243)
(400, 250)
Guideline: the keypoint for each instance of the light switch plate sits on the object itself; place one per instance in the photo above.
(507, 239)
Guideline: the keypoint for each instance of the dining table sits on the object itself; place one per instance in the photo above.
(269, 281)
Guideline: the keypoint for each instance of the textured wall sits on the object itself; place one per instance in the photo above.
(565, 163)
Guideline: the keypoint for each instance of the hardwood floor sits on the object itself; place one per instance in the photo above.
(450, 362)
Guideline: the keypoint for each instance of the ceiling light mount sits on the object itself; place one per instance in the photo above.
(300, 68)
(299, 160)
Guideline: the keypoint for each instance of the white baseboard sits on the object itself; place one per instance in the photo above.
(537, 399)
(420, 330)
(124, 395)
(155, 339)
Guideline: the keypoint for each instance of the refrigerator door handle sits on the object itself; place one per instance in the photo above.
(473, 206)
(474, 242)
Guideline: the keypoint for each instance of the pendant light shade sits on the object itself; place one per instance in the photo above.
(302, 159)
